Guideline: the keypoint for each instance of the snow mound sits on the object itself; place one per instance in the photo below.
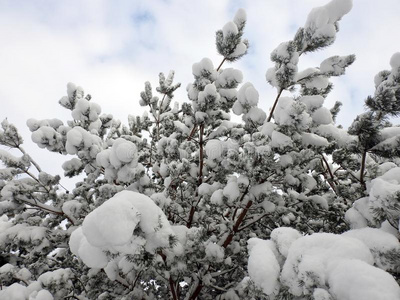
(79, 139)
(284, 237)
(395, 62)
(119, 161)
(246, 104)
(354, 280)
(321, 20)
(112, 228)
(311, 139)
(280, 140)
(311, 259)
(263, 266)
(381, 244)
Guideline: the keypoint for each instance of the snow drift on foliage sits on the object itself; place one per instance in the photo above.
(382, 198)
(355, 280)
(263, 267)
(17, 291)
(344, 263)
(246, 104)
(382, 245)
(119, 161)
(111, 227)
(321, 20)
(311, 259)
(35, 290)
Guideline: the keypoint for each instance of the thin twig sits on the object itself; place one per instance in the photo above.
(192, 133)
(122, 281)
(158, 118)
(170, 280)
(332, 181)
(36, 179)
(363, 161)
(201, 162)
(239, 221)
(197, 291)
(253, 222)
(30, 158)
(172, 288)
(136, 279)
(37, 168)
(220, 65)
(273, 107)
(200, 179)
(46, 207)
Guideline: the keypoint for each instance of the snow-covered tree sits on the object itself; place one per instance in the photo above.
(186, 203)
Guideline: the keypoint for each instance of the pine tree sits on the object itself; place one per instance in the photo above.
(184, 203)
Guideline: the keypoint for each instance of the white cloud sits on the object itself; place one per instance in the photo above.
(111, 48)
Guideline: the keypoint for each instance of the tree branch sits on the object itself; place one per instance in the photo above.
(30, 158)
(253, 222)
(136, 279)
(220, 65)
(197, 291)
(170, 280)
(158, 118)
(191, 214)
(200, 179)
(192, 133)
(363, 161)
(172, 288)
(122, 281)
(332, 181)
(274, 106)
(239, 220)
(201, 162)
(227, 241)
(45, 207)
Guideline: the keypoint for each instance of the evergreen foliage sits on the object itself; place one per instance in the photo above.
(184, 203)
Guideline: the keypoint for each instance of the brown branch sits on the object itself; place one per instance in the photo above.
(200, 179)
(351, 174)
(172, 288)
(227, 241)
(136, 279)
(332, 181)
(239, 220)
(379, 115)
(46, 208)
(327, 167)
(30, 158)
(36, 179)
(274, 106)
(220, 65)
(199, 287)
(338, 169)
(363, 161)
(234, 213)
(253, 222)
(197, 291)
(191, 214)
(122, 281)
(192, 133)
(171, 281)
(201, 162)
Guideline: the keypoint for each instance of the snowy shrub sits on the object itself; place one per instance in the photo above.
(184, 202)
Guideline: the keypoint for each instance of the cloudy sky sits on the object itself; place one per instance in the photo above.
(111, 48)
